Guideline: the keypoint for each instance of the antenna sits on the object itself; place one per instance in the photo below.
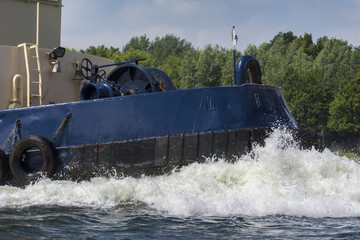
(234, 40)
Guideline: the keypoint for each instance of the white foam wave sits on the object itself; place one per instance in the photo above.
(275, 179)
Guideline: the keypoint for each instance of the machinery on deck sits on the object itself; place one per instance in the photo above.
(128, 78)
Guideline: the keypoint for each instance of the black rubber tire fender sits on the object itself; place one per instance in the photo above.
(4, 167)
(49, 157)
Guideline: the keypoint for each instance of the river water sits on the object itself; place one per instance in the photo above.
(274, 192)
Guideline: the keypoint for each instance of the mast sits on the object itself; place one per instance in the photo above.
(234, 40)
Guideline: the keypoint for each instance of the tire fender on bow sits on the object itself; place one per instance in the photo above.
(33, 157)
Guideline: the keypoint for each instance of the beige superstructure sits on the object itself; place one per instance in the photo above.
(33, 27)
(18, 19)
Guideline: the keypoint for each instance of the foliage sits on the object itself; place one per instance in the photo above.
(187, 70)
(162, 48)
(141, 43)
(172, 68)
(334, 62)
(145, 57)
(70, 50)
(227, 71)
(208, 67)
(345, 109)
(310, 105)
(101, 51)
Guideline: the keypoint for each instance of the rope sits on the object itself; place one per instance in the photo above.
(14, 135)
(62, 125)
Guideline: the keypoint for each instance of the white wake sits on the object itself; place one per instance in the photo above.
(276, 179)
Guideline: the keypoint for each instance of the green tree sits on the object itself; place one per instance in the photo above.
(297, 58)
(275, 66)
(101, 51)
(147, 61)
(172, 68)
(262, 57)
(307, 99)
(334, 62)
(251, 50)
(227, 70)
(305, 42)
(345, 109)
(141, 43)
(209, 66)
(188, 69)
(355, 60)
(70, 50)
(320, 43)
(162, 48)
(287, 38)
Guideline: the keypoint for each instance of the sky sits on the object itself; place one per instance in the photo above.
(114, 22)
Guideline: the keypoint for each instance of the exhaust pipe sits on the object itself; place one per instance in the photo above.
(15, 100)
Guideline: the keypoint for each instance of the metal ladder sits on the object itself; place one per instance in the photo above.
(31, 85)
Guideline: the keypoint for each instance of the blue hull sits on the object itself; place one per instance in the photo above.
(153, 114)
(145, 130)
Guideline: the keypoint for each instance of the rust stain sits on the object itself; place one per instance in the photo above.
(100, 149)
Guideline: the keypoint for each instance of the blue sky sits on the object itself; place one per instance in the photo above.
(201, 22)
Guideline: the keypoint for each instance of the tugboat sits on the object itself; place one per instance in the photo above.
(130, 121)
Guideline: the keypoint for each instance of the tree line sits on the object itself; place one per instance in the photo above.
(320, 80)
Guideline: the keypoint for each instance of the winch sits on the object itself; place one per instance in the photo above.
(127, 79)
